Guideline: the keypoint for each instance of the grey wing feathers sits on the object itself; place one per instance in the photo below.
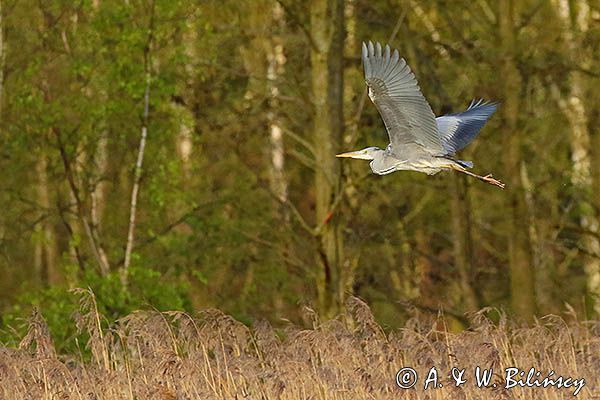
(395, 92)
(458, 130)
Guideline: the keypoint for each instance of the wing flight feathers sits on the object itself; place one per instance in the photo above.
(395, 92)
(459, 129)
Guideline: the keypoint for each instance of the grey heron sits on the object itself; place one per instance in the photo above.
(418, 140)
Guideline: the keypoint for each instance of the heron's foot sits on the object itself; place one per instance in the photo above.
(490, 179)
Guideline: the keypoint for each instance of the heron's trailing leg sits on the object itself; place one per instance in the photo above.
(488, 178)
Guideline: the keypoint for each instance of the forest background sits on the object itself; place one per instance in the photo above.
(180, 155)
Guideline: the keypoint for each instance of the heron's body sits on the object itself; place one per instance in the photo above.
(418, 140)
(388, 162)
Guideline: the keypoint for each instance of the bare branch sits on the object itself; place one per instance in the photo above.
(291, 261)
(526, 19)
(303, 159)
(337, 201)
(169, 227)
(299, 139)
(97, 250)
(296, 20)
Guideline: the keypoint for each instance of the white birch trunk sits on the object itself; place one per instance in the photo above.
(99, 187)
(429, 25)
(575, 16)
(184, 144)
(275, 70)
(141, 151)
(136, 182)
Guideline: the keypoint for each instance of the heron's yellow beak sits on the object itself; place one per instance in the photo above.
(354, 154)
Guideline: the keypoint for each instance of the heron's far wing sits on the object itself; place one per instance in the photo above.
(395, 92)
(458, 130)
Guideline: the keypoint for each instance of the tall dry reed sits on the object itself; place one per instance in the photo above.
(172, 355)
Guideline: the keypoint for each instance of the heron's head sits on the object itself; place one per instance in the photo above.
(364, 154)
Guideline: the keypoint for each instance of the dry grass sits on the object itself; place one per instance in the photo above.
(152, 355)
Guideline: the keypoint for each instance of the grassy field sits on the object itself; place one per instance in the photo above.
(172, 355)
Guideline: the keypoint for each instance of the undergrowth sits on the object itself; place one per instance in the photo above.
(210, 355)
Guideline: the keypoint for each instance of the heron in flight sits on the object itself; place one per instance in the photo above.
(418, 140)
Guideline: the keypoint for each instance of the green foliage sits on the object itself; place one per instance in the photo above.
(147, 289)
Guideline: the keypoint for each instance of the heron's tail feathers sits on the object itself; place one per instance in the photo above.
(466, 164)
(462, 163)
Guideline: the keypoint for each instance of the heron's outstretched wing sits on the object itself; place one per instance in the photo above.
(458, 130)
(396, 94)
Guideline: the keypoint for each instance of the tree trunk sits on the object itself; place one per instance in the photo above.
(424, 270)
(99, 187)
(327, 34)
(575, 16)
(521, 270)
(46, 247)
(183, 140)
(462, 241)
(275, 69)
(277, 179)
(2, 58)
(351, 116)
(141, 149)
